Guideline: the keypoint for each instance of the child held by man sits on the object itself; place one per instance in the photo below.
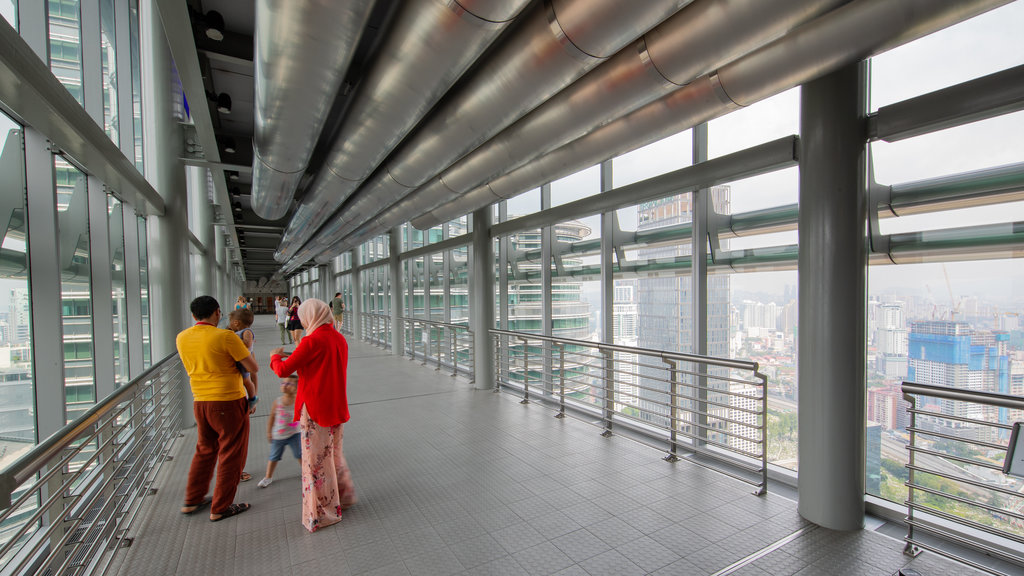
(240, 322)
(282, 431)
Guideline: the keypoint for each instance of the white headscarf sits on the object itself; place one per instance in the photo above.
(313, 314)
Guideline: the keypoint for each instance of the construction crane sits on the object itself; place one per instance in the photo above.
(954, 305)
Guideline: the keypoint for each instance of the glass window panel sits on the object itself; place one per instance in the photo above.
(579, 185)
(75, 286)
(65, 35)
(977, 47)
(436, 279)
(758, 123)
(9, 10)
(523, 204)
(760, 324)
(665, 155)
(919, 315)
(147, 359)
(17, 392)
(993, 142)
(459, 226)
(115, 226)
(133, 35)
(108, 63)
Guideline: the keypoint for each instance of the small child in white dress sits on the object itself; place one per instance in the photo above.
(282, 431)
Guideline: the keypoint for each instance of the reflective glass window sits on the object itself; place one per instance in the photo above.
(147, 359)
(758, 123)
(108, 63)
(977, 47)
(17, 392)
(9, 10)
(133, 37)
(65, 38)
(576, 186)
(75, 287)
(115, 226)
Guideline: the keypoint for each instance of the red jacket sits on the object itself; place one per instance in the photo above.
(321, 358)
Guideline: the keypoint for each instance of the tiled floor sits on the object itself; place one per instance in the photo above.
(453, 480)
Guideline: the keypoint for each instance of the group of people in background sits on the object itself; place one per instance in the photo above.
(308, 417)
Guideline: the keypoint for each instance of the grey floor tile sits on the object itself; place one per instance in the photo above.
(542, 559)
(454, 532)
(554, 525)
(580, 545)
(586, 513)
(437, 562)
(647, 553)
(614, 531)
(477, 551)
(504, 566)
(611, 563)
(519, 536)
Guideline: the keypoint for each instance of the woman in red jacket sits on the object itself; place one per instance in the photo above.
(321, 407)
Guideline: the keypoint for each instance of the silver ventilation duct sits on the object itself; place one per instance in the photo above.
(303, 49)
(558, 41)
(848, 34)
(673, 54)
(430, 45)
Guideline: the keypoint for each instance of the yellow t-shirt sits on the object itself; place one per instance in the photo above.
(209, 355)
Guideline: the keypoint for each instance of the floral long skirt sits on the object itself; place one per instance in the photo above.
(327, 487)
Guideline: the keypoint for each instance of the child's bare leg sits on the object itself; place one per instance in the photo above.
(271, 465)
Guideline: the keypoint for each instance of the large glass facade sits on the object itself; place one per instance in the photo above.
(133, 37)
(75, 287)
(17, 391)
(64, 29)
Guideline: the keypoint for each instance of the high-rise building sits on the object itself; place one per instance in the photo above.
(664, 310)
(952, 354)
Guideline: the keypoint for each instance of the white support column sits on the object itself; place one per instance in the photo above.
(397, 294)
(102, 289)
(481, 303)
(220, 264)
(203, 212)
(700, 203)
(44, 275)
(608, 229)
(32, 27)
(833, 276)
(168, 245)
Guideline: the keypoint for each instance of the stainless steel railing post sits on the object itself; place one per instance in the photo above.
(673, 395)
(910, 549)
(561, 379)
(526, 370)
(609, 390)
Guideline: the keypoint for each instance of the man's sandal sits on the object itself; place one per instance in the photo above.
(233, 510)
(190, 509)
(245, 477)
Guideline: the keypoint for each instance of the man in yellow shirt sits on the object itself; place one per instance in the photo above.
(221, 405)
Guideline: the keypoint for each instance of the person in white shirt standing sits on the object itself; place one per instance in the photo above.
(281, 313)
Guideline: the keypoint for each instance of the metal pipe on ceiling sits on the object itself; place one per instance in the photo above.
(848, 34)
(556, 43)
(430, 45)
(681, 49)
(303, 49)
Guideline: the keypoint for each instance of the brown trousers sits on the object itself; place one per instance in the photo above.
(222, 442)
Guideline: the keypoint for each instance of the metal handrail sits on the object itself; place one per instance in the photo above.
(71, 500)
(953, 524)
(459, 337)
(614, 385)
